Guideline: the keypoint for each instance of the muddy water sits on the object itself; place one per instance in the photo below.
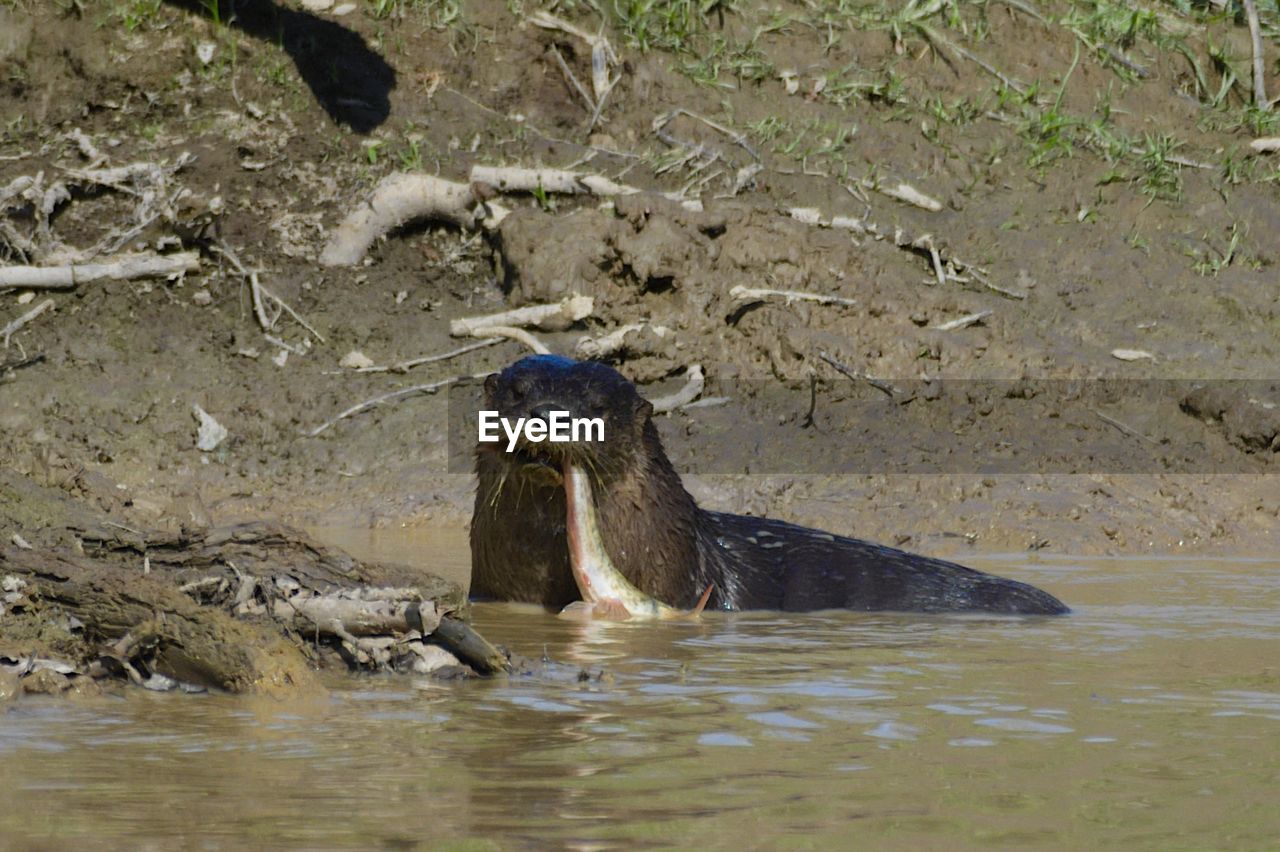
(1152, 716)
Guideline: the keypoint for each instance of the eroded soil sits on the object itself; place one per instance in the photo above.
(1110, 209)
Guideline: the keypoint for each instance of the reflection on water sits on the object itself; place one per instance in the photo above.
(1151, 715)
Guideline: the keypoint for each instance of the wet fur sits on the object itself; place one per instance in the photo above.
(661, 541)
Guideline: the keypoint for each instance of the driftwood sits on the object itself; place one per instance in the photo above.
(241, 608)
(397, 199)
(167, 631)
(552, 317)
(466, 644)
(759, 294)
(368, 612)
(126, 267)
(407, 196)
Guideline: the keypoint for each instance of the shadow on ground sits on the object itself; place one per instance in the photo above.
(350, 81)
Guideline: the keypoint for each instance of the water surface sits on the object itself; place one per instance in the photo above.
(1150, 717)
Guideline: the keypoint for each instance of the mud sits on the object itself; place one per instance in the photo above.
(1110, 251)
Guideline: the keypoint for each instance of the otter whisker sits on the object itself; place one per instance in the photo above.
(496, 491)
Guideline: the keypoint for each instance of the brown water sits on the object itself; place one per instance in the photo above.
(1149, 717)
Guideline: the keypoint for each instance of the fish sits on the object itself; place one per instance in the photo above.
(606, 593)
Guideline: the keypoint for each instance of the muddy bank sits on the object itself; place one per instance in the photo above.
(1075, 190)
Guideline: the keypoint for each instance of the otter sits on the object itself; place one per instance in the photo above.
(659, 539)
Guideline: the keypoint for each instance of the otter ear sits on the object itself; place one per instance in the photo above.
(643, 409)
(490, 386)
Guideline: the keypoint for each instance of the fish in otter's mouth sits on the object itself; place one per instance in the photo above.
(605, 592)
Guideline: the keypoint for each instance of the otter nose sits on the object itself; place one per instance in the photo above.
(543, 410)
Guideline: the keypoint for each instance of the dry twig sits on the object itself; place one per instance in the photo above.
(406, 366)
(9, 329)
(1128, 430)
(754, 294)
(879, 384)
(430, 387)
(963, 322)
(572, 80)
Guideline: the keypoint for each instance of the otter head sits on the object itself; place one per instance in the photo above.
(606, 420)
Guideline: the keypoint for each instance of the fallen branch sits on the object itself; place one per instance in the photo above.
(604, 95)
(905, 193)
(210, 612)
(397, 199)
(553, 317)
(461, 639)
(8, 330)
(687, 394)
(572, 80)
(606, 344)
(362, 612)
(760, 294)
(879, 384)
(141, 173)
(87, 149)
(126, 267)
(615, 341)
(563, 182)
(938, 39)
(406, 366)
(660, 123)
(944, 267)
(403, 197)
(511, 333)
(602, 52)
(1128, 430)
(15, 188)
(258, 295)
(255, 287)
(963, 322)
(430, 387)
(7, 367)
(1259, 61)
(291, 312)
(518, 179)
